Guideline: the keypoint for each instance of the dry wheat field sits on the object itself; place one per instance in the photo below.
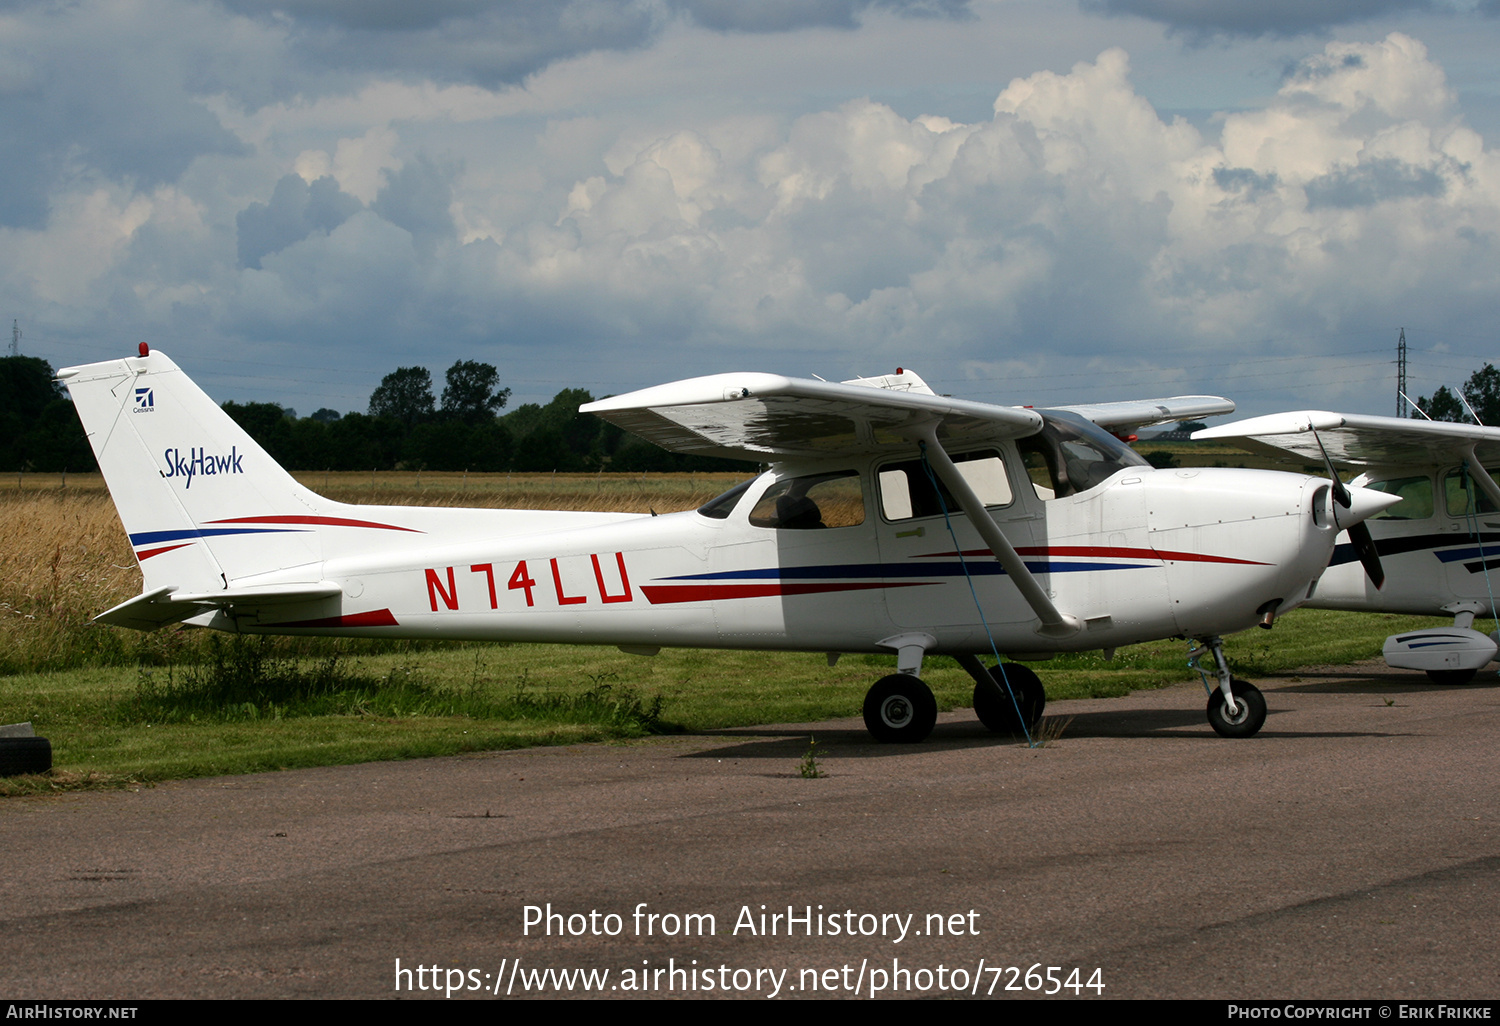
(66, 558)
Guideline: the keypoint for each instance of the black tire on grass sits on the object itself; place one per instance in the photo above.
(24, 755)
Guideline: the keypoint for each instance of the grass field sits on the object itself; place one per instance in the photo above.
(123, 708)
(67, 558)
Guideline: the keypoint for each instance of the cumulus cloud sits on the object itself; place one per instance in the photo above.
(787, 15)
(490, 43)
(1072, 230)
(498, 42)
(1077, 213)
(1204, 18)
(296, 210)
(419, 199)
(97, 91)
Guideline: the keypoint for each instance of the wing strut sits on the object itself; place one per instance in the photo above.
(1486, 483)
(1055, 624)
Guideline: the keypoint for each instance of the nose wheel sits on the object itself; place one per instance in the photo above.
(1248, 716)
(900, 708)
(1236, 708)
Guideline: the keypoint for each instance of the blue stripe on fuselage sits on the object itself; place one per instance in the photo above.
(150, 537)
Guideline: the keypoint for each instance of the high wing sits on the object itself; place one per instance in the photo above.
(1352, 440)
(760, 416)
(1137, 413)
(769, 417)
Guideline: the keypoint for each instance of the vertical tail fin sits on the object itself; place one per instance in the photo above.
(203, 504)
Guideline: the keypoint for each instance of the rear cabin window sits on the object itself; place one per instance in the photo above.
(1464, 496)
(812, 502)
(906, 490)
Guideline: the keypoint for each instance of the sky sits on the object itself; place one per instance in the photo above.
(1026, 201)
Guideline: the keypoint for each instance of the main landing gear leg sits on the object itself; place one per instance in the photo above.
(1007, 700)
(901, 708)
(1236, 708)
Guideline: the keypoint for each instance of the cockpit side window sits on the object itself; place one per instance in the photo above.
(1071, 455)
(1416, 498)
(812, 502)
(906, 490)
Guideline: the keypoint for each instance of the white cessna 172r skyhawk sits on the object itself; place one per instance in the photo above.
(1440, 543)
(1061, 538)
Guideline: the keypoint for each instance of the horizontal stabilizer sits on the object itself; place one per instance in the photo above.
(163, 606)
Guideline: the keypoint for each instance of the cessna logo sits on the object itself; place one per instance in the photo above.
(145, 400)
(201, 462)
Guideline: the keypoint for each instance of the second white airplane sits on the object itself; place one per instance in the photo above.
(1438, 544)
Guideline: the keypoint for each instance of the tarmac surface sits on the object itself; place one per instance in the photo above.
(1351, 850)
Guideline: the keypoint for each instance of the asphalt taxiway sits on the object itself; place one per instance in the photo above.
(1352, 849)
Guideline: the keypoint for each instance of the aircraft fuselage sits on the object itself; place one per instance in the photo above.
(1146, 554)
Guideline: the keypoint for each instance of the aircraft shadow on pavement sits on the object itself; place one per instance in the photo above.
(787, 742)
(1334, 682)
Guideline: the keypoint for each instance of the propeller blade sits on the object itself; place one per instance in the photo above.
(1369, 557)
(1340, 492)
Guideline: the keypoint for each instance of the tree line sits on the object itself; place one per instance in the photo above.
(40, 429)
(405, 427)
(1482, 391)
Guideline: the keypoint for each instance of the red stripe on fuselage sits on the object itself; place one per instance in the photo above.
(1111, 551)
(374, 618)
(659, 594)
(314, 522)
(156, 552)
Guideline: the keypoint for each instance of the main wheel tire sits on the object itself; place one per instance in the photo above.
(900, 708)
(1249, 715)
(996, 710)
(24, 755)
(1451, 676)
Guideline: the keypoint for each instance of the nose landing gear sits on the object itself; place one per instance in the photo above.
(1236, 708)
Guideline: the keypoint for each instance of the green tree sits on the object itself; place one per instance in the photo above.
(40, 428)
(268, 424)
(27, 385)
(1482, 390)
(557, 436)
(1443, 405)
(459, 445)
(473, 393)
(404, 395)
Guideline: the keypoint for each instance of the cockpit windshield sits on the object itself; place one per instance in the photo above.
(720, 507)
(1071, 455)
